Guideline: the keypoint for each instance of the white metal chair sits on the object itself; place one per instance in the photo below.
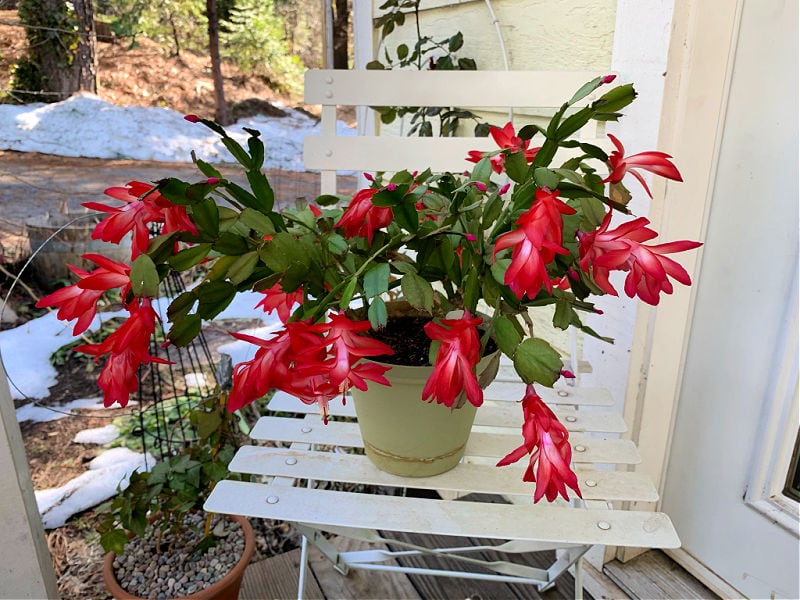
(600, 519)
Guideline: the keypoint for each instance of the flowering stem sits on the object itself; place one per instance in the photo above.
(337, 288)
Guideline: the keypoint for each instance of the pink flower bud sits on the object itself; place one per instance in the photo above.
(608, 79)
(598, 311)
(414, 174)
(480, 185)
(567, 374)
(391, 187)
(504, 189)
(212, 180)
(368, 176)
(192, 118)
(470, 237)
(573, 274)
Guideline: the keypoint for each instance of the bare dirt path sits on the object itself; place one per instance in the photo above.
(32, 185)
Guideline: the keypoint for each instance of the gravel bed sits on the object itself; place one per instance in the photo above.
(147, 573)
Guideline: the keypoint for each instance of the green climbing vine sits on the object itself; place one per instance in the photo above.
(425, 53)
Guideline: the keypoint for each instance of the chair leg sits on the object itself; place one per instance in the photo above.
(579, 579)
(301, 580)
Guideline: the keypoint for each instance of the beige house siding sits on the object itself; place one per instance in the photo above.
(538, 34)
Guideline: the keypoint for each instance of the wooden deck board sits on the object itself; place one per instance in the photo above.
(276, 577)
(655, 575)
(444, 588)
(358, 584)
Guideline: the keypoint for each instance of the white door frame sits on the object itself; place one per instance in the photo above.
(696, 88)
(695, 98)
(699, 73)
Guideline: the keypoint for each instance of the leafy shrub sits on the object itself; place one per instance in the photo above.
(253, 38)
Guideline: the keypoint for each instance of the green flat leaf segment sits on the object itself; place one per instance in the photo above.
(537, 362)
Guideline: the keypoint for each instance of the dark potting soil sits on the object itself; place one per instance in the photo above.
(411, 345)
(407, 338)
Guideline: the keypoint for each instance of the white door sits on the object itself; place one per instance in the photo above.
(737, 416)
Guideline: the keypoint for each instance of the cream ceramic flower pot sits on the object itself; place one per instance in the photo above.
(403, 434)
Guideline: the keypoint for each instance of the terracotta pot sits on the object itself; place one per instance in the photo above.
(226, 588)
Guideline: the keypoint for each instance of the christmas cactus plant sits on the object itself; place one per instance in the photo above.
(475, 251)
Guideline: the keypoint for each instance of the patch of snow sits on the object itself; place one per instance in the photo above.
(240, 351)
(85, 125)
(195, 380)
(97, 435)
(43, 414)
(30, 374)
(243, 306)
(106, 473)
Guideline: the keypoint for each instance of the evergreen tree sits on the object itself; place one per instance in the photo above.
(61, 50)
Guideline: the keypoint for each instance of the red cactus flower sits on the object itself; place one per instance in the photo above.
(275, 299)
(79, 300)
(297, 361)
(505, 139)
(142, 206)
(362, 218)
(347, 346)
(602, 251)
(547, 441)
(128, 348)
(536, 243)
(454, 367)
(653, 161)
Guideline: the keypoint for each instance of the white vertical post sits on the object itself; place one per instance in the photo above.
(26, 569)
(363, 52)
(327, 34)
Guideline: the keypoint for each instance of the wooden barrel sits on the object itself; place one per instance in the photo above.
(51, 256)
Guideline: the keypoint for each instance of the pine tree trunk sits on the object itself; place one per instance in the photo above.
(65, 62)
(341, 20)
(221, 114)
(84, 65)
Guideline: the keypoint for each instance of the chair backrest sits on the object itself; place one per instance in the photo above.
(543, 91)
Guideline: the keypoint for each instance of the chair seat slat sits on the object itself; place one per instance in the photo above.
(586, 448)
(464, 478)
(439, 517)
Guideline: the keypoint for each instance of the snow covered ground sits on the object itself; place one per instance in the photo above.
(85, 125)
